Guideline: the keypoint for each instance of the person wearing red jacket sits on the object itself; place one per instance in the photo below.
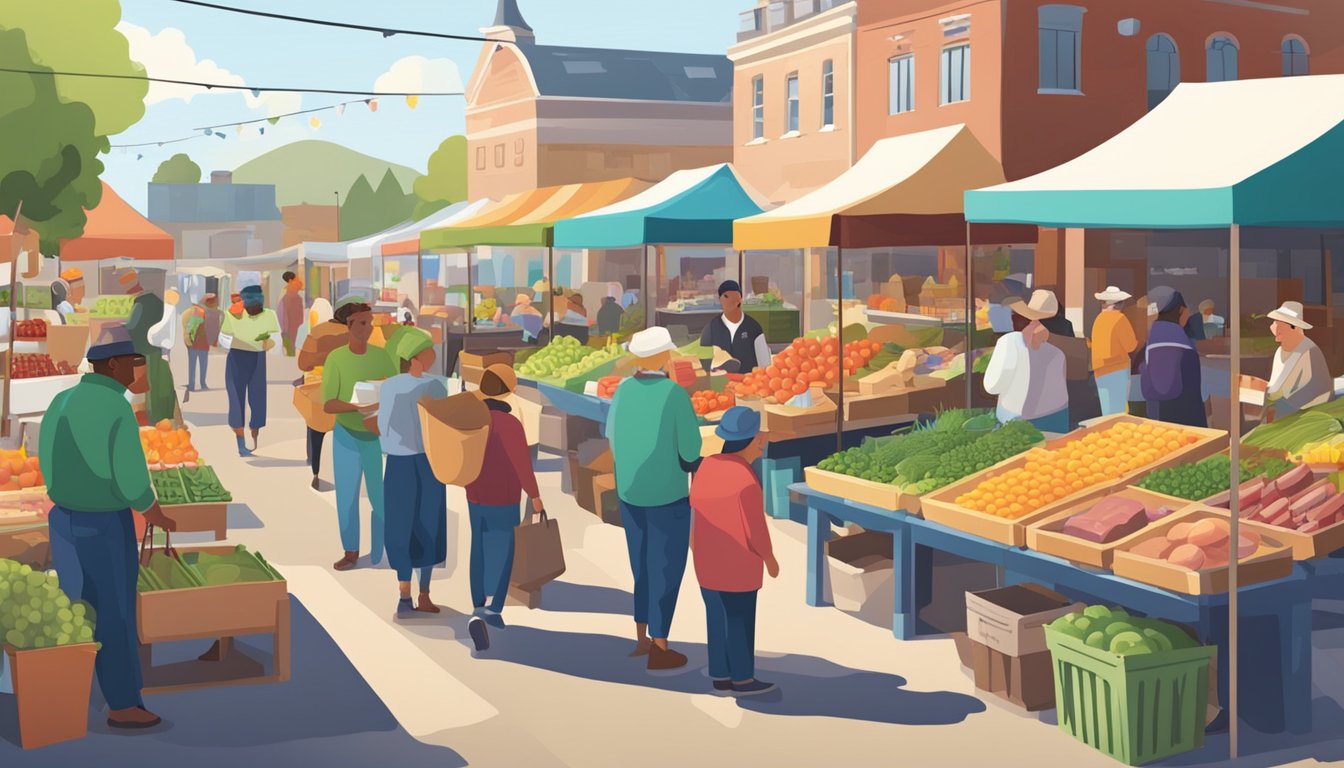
(494, 497)
(730, 542)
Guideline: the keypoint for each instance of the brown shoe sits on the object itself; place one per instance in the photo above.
(642, 647)
(132, 718)
(347, 562)
(661, 660)
(424, 605)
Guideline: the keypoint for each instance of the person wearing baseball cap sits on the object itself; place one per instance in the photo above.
(655, 442)
(95, 472)
(415, 503)
(736, 333)
(1300, 376)
(1113, 341)
(731, 545)
(1170, 372)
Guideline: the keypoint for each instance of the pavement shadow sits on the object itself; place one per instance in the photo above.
(567, 597)
(242, 517)
(1325, 743)
(264, 463)
(808, 686)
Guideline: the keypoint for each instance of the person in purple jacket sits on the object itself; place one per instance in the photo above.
(1170, 370)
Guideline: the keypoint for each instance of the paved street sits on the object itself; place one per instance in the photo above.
(557, 688)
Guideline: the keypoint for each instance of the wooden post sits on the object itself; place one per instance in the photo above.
(840, 338)
(969, 355)
(471, 296)
(550, 286)
(13, 303)
(1234, 480)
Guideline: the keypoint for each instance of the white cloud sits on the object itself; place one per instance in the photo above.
(168, 55)
(417, 74)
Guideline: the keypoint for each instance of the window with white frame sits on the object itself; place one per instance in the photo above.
(954, 78)
(1060, 30)
(827, 93)
(1221, 61)
(758, 107)
(901, 84)
(1296, 59)
(791, 112)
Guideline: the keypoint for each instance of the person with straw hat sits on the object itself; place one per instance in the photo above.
(1170, 372)
(655, 442)
(494, 500)
(1026, 371)
(1113, 341)
(1300, 377)
(415, 503)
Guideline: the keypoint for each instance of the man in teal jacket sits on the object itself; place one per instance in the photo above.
(655, 441)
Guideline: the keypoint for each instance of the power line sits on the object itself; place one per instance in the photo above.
(256, 90)
(384, 31)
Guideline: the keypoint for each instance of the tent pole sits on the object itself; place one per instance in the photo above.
(550, 286)
(1234, 480)
(969, 354)
(13, 302)
(742, 269)
(840, 338)
(471, 295)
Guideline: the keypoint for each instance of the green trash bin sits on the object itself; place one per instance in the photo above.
(1136, 709)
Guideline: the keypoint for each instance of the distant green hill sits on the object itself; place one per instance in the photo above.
(310, 171)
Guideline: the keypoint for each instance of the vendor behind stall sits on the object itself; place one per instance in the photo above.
(73, 279)
(1300, 377)
(1170, 371)
(736, 333)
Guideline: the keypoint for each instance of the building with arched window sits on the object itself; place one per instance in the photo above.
(1222, 58)
(1296, 57)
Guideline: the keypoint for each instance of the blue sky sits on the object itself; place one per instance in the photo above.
(192, 43)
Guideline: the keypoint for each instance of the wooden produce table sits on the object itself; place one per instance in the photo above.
(1275, 693)
(218, 613)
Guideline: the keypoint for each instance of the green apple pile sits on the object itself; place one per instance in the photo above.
(113, 306)
(1115, 631)
(35, 613)
(565, 358)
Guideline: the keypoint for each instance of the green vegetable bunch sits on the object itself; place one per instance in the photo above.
(1003, 443)
(1115, 631)
(1210, 476)
(1293, 432)
(35, 613)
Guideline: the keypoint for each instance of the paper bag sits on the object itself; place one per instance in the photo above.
(539, 556)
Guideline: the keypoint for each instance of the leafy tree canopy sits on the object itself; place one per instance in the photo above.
(178, 169)
(446, 181)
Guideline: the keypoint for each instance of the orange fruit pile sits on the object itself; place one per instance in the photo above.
(706, 401)
(1050, 475)
(167, 445)
(805, 362)
(19, 471)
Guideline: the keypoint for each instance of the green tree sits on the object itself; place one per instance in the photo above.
(50, 160)
(446, 181)
(394, 205)
(178, 169)
(356, 208)
(81, 36)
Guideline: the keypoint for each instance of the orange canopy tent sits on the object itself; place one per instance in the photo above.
(116, 230)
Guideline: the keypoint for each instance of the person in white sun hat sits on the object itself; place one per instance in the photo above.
(1026, 371)
(1300, 377)
(1113, 341)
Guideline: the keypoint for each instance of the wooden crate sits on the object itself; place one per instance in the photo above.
(1273, 560)
(880, 495)
(868, 407)
(783, 421)
(211, 517)
(1305, 546)
(1048, 535)
(940, 506)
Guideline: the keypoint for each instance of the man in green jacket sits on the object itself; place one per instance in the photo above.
(96, 474)
(655, 441)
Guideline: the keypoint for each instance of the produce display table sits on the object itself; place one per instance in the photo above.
(1276, 694)
(457, 340)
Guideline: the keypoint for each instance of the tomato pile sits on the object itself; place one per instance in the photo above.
(30, 329)
(804, 363)
(706, 401)
(35, 365)
(606, 386)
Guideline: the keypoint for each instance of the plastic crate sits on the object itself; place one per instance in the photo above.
(1135, 709)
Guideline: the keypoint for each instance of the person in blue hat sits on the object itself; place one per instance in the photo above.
(95, 471)
(245, 367)
(731, 545)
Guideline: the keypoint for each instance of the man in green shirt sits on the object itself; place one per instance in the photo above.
(655, 442)
(96, 474)
(356, 452)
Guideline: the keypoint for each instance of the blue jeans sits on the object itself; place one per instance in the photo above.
(415, 508)
(95, 559)
(658, 539)
(730, 620)
(245, 379)
(1113, 392)
(355, 458)
(492, 552)
(197, 358)
(1057, 422)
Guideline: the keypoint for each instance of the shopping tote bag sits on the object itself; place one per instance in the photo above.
(538, 556)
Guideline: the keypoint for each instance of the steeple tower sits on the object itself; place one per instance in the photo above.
(509, 24)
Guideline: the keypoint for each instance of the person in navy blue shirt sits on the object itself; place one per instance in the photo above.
(736, 333)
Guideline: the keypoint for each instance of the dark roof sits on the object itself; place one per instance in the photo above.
(508, 15)
(614, 74)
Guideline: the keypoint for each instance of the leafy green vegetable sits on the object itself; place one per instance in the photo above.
(1293, 432)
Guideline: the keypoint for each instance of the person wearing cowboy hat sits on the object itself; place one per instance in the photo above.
(1170, 373)
(1026, 371)
(1113, 341)
(1300, 377)
(655, 443)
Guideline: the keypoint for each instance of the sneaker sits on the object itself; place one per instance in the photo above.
(405, 608)
(132, 718)
(480, 636)
(662, 660)
(723, 686)
(752, 688)
(493, 618)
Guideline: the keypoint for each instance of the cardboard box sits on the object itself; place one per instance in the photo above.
(1012, 620)
(484, 360)
(606, 504)
(562, 432)
(1026, 681)
(862, 578)
(594, 458)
